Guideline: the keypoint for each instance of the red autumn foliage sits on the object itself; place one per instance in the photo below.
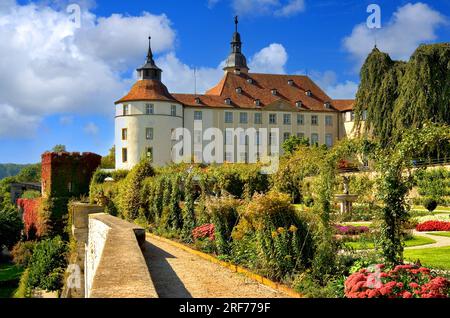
(404, 281)
(31, 220)
(204, 231)
(433, 226)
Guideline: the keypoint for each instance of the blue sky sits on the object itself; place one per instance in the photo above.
(63, 79)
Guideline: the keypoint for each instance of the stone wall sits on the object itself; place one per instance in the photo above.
(115, 266)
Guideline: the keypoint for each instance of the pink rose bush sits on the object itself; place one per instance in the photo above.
(404, 281)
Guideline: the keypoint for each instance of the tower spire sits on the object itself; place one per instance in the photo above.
(149, 70)
(236, 61)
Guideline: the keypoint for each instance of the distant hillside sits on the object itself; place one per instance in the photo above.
(10, 169)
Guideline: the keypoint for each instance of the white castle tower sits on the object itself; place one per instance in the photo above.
(145, 118)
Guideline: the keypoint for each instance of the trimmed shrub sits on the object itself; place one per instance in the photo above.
(430, 204)
(129, 198)
(47, 265)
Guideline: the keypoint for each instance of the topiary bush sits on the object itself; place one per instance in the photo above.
(430, 204)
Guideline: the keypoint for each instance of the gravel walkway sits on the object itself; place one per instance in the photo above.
(179, 274)
(441, 241)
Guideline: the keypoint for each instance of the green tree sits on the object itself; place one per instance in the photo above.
(31, 173)
(109, 161)
(47, 265)
(10, 226)
(59, 148)
(293, 143)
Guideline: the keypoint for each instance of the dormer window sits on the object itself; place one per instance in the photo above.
(237, 71)
(298, 104)
(197, 100)
(249, 80)
(290, 82)
(257, 102)
(228, 101)
(308, 93)
(274, 91)
(239, 90)
(327, 105)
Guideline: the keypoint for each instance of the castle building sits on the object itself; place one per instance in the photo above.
(145, 119)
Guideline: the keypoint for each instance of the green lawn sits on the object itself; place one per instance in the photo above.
(415, 241)
(357, 223)
(8, 272)
(446, 234)
(442, 209)
(438, 257)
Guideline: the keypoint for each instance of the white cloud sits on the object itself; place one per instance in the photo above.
(271, 59)
(179, 77)
(14, 124)
(328, 81)
(409, 26)
(66, 120)
(291, 8)
(91, 129)
(54, 67)
(280, 8)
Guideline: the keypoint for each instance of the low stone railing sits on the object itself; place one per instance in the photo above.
(115, 266)
(108, 257)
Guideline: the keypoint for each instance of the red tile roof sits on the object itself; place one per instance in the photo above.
(344, 104)
(259, 88)
(144, 90)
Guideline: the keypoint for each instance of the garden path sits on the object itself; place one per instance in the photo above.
(177, 273)
(441, 241)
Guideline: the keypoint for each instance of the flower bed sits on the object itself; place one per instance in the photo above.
(350, 229)
(433, 226)
(404, 281)
(204, 231)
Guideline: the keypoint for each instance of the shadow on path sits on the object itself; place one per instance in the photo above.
(166, 281)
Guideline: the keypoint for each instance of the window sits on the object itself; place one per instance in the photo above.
(243, 118)
(286, 136)
(314, 139)
(300, 135)
(300, 119)
(149, 133)
(126, 109)
(228, 117)
(149, 109)
(329, 140)
(352, 116)
(124, 155)
(258, 118)
(228, 137)
(272, 119)
(149, 153)
(229, 157)
(287, 119)
(258, 138)
(273, 139)
(198, 115)
(124, 134)
(243, 138)
(173, 110)
(198, 137)
(314, 120)
(329, 120)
